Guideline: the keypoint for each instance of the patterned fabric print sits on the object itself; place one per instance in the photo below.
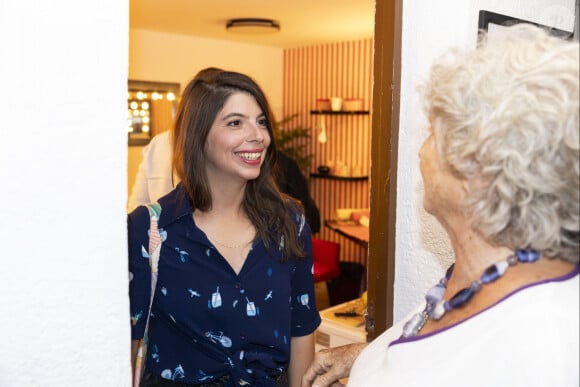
(207, 321)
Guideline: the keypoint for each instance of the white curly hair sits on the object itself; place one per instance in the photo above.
(509, 113)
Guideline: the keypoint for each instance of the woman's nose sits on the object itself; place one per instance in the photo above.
(257, 133)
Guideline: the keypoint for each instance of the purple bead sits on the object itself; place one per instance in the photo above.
(527, 255)
(461, 298)
(494, 272)
(449, 271)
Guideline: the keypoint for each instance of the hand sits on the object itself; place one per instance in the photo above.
(330, 365)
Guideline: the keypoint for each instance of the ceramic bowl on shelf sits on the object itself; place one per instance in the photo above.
(323, 170)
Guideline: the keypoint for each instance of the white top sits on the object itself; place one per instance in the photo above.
(529, 338)
(153, 178)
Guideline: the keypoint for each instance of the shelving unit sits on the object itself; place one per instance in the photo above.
(339, 112)
(344, 178)
(336, 113)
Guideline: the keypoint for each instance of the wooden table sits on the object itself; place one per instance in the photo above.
(349, 229)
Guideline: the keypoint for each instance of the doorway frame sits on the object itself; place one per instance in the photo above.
(384, 166)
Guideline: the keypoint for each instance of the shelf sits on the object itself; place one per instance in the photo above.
(339, 112)
(344, 178)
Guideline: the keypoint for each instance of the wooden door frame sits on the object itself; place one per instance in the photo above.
(384, 162)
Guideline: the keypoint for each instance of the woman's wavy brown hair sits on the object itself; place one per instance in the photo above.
(267, 208)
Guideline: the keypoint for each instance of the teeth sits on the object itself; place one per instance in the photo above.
(249, 156)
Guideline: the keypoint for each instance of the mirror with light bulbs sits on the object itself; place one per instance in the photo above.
(151, 109)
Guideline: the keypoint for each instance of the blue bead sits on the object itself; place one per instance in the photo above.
(490, 274)
(527, 255)
(461, 298)
(494, 272)
(449, 271)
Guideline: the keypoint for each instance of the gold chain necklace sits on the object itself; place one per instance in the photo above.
(232, 246)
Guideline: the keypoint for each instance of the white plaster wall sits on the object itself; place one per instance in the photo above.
(422, 249)
(63, 275)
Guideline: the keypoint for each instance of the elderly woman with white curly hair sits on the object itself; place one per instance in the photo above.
(501, 170)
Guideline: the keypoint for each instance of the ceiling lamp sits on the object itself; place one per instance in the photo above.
(253, 25)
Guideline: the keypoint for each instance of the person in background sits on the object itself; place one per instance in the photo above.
(501, 171)
(292, 182)
(234, 302)
(155, 177)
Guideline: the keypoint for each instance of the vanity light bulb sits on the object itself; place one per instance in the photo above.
(170, 96)
(145, 120)
(155, 96)
(134, 105)
(140, 95)
(135, 113)
(145, 128)
(145, 105)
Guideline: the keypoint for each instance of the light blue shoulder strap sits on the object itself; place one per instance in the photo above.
(154, 209)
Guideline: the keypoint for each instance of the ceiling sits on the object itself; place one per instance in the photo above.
(302, 22)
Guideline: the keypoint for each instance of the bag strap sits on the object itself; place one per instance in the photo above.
(155, 242)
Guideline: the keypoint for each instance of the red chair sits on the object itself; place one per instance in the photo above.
(326, 257)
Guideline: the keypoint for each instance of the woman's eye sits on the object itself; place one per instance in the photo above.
(263, 122)
(235, 123)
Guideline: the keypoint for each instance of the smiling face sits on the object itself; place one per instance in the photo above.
(237, 142)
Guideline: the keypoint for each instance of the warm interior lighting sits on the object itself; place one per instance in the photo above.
(253, 25)
(151, 109)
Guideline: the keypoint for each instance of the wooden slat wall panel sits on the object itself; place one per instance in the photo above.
(343, 70)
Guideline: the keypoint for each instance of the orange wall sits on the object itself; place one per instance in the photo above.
(344, 70)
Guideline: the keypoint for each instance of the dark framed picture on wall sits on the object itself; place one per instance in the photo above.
(493, 23)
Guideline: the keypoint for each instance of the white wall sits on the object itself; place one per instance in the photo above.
(422, 249)
(63, 278)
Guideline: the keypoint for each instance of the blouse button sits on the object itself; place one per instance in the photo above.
(243, 337)
(238, 285)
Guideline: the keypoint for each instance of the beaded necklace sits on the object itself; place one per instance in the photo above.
(436, 306)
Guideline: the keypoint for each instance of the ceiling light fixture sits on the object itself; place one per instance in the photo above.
(253, 25)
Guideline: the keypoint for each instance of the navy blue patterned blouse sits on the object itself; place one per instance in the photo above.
(207, 321)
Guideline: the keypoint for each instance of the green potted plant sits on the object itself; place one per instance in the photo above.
(294, 142)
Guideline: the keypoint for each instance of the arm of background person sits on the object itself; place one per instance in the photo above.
(139, 191)
(301, 355)
(331, 364)
(154, 176)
